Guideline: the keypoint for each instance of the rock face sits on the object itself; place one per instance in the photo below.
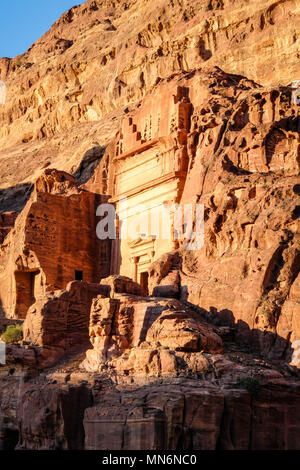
(7, 221)
(141, 342)
(178, 414)
(101, 56)
(143, 336)
(54, 426)
(187, 417)
(119, 284)
(238, 157)
(58, 322)
(53, 243)
(159, 378)
(212, 138)
(146, 166)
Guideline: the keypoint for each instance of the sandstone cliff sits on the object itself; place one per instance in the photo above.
(240, 159)
(66, 94)
(200, 91)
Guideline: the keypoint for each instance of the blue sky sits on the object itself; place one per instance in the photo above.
(22, 22)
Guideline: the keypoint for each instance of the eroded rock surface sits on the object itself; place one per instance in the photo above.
(188, 101)
(58, 322)
(147, 336)
(50, 243)
(212, 412)
(239, 157)
(100, 57)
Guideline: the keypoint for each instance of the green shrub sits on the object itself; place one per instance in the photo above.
(18, 63)
(250, 384)
(12, 334)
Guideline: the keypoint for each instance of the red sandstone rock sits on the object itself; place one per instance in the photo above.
(58, 323)
(241, 163)
(242, 148)
(121, 285)
(140, 336)
(182, 330)
(53, 242)
(200, 135)
(100, 57)
(183, 414)
(187, 417)
(7, 221)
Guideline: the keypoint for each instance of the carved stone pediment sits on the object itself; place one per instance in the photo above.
(138, 242)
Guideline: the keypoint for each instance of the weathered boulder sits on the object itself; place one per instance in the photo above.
(117, 284)
(140, 335)
(182, 330)
(58, 322)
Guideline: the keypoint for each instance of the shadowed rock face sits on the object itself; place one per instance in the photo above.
(53, 240)
(89, 162)
(58, 322)
(15, 198)
(187, 417)
(179, 414)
